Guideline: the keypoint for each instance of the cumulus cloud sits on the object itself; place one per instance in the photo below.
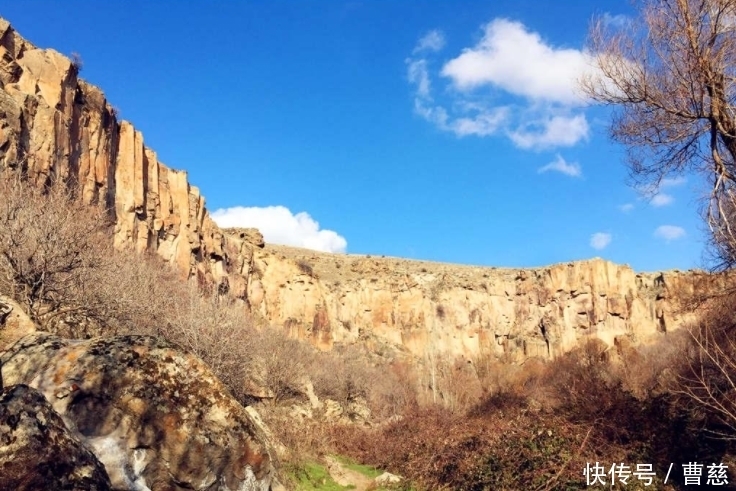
(509, 83)
(434, 40)
(518, 61)
(600, 240)
(280, 226)
(626, 207)
(662, 199)
(669, 232)
(561, 165)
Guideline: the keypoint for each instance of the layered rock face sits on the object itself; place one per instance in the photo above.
(54, 124)
(431, 308)
(156, 418)
(38, 452)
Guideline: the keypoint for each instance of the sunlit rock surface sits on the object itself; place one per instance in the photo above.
(155, 417)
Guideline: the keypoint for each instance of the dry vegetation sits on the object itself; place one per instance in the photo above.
(539, 427)
(57, 261)
(443, 424)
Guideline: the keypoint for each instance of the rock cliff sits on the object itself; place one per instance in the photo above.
(52, 123)
(464, 310)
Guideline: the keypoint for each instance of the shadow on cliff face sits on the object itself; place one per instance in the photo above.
(153, 415)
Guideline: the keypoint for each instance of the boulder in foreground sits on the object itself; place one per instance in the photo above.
(38, 452)
(156, 418)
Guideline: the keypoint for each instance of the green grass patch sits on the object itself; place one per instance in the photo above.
(315, 477)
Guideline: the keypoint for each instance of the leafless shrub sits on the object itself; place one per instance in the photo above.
(305, 267)
(50, 249)
(708, 376)
(341, 377)
(57, 260)
(649, 370)
(284, 363)
(392, 390)
(77, 63)
(579, 378)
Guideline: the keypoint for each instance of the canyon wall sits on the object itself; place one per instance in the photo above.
(465, 310)
(54, 125)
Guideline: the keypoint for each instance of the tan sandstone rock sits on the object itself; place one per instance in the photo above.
(14, 322)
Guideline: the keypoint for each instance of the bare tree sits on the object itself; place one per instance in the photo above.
(670, 77)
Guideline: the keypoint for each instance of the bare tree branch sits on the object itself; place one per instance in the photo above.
(670, 79)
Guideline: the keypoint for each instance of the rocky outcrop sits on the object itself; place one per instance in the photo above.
(54, 124)
(38, 452)
(431, 308)
(155, 417)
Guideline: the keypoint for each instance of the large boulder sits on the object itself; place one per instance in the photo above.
(156, 418)
(38, 452)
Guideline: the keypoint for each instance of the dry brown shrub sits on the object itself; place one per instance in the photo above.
(649, 370)
(50, 249)
(283, 363)
(707, 376)
(353, 374)
(393, 390)
(439, 449)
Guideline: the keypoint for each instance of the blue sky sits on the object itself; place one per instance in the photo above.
(438, 130)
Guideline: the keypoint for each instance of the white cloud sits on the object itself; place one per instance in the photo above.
(669, 232)
(626, 207)
(483, 123)
(555, 131)
(419, 77)
(662, 199)
(510, 83)
(600, 240)
(618, 20)
(518, 61)
(432, 41)
(280, 226)
(481, 120)
(560, 165)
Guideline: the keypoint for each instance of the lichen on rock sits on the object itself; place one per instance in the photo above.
(37, 451)
(156, 417)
